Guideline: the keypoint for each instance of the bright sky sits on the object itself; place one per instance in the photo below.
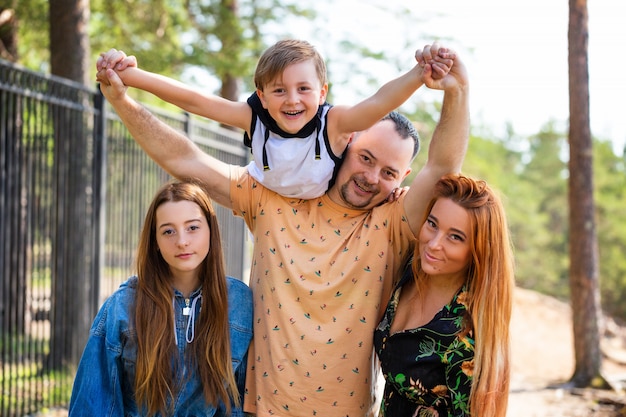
(516, 54)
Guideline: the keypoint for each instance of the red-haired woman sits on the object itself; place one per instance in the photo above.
(443, 341)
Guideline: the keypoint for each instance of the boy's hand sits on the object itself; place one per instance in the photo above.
(438, 71)
(436, 61)
(113, 59)
(396, 193)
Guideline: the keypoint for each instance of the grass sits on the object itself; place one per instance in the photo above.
(26, 385)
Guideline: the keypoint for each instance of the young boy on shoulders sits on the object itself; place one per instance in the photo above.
(297, 137)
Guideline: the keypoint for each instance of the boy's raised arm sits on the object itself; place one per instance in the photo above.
(219, 109)
(395, 92)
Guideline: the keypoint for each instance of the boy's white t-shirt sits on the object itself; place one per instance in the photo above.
(296, 169)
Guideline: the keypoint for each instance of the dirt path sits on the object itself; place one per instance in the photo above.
(543, 356)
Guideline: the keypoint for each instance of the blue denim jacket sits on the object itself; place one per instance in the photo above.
(103, 385)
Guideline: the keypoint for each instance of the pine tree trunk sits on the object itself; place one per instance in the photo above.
(74, 289)
(585, 297)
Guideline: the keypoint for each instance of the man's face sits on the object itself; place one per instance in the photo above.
(376, 162)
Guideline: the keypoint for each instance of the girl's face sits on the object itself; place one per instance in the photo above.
(183, 237)
(443, 240)
(293, 98)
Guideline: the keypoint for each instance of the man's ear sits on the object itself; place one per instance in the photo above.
(261, 96)
(406, 174)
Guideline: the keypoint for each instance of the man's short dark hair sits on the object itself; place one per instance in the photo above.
(405, 129)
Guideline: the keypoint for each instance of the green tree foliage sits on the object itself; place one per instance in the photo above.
(221, 36)
(33, 44)
(545, 179)
(152, 30)
(531, 174)
(610, 197)
(227, 36)
(535, 213)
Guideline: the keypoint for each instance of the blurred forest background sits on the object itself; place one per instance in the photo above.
(197, 40)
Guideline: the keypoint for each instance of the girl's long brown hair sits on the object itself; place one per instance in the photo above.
(155, 387)
(490, 283)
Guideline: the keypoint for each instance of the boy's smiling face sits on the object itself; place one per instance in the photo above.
(293, 98)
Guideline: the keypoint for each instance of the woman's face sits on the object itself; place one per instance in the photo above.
(443, 240)
(183, 237)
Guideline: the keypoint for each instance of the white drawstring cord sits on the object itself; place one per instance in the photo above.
(191, 322)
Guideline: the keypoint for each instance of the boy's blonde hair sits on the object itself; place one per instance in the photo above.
(282, 54)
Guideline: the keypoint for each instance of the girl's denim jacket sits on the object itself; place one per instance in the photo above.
(103, 385)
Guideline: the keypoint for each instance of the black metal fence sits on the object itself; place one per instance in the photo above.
(74, 188)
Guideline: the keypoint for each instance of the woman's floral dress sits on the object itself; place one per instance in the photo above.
(427, 370)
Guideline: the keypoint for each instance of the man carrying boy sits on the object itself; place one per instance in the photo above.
(297, 138)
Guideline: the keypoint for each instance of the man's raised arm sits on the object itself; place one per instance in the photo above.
(170, 149)
(449, 142)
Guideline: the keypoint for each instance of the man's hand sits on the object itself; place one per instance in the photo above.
(111, 85)
(113, 59)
